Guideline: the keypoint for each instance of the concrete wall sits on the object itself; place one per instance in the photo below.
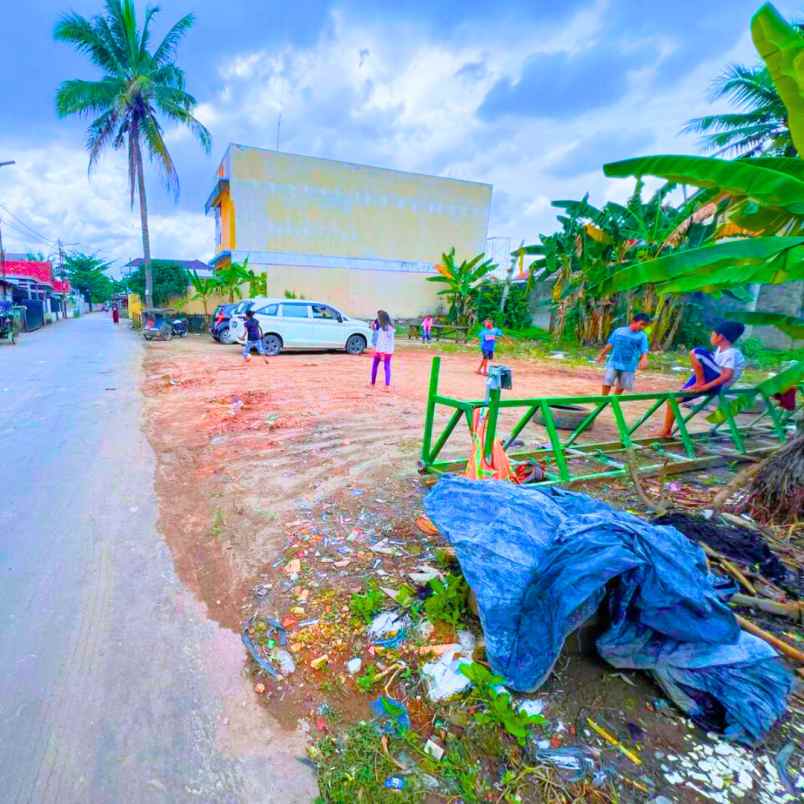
(309, 206)
(359, 293)
(787, 299)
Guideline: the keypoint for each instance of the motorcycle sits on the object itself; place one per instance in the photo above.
(162, 324)
(7, 326)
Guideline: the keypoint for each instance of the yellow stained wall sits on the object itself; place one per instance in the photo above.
(357, 293)
(228, 218)
(305, 205)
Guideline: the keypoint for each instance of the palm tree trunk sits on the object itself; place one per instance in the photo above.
(146, 236)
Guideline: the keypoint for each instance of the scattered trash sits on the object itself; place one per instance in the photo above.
(353, 666)
(424, 574)
(434, 750)
(573, 763)
(395, 783)
(531, 706)
(666, 616)
(319, 662)
(443, 677)
(263, 629)
(388, 628)
(259, 688)
(780, 761)
(293, 567)
(392, 716)
(384, 548)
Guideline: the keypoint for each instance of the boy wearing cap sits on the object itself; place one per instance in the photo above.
(713, 372)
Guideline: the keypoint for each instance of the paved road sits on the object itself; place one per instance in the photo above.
(114, 686)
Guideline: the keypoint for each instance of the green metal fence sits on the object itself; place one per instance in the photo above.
(568, 457)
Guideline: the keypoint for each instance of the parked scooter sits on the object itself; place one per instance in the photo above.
(162, 324)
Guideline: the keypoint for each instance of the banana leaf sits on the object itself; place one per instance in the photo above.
(789, 324)
(739, 177)
(777, 384)
(701, 262)
(782, 49)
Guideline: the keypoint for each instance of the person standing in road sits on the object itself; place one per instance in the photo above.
(383, 348)
(427, 329)
(115, 314)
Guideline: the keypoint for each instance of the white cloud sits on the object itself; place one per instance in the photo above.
(49, 190)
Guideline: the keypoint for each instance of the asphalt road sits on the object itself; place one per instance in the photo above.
(114, 686)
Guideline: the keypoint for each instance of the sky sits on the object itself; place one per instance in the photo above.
(530, 96)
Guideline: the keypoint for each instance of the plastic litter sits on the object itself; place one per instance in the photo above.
(572, 762)
(394, 783)
(272, 626)
(443, 677)
(391, 715)
(353, 665)
(434, 750)
(389, 629)
(542, 561)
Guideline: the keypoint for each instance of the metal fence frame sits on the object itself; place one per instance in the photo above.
(719, 443)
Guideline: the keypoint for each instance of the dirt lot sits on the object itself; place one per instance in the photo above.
(302, 460)
(243, 448)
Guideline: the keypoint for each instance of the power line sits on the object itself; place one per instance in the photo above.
(30, 229)
(25, 235)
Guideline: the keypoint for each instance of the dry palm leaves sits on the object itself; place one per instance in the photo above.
(775, 494)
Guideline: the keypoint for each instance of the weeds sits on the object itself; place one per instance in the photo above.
(498, 705)
(365, 605)
(216, 529)
(368, 679)
(448, 601)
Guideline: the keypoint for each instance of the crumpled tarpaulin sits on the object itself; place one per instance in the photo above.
(541, 561)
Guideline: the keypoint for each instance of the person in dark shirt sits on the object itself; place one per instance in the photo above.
(253, 337)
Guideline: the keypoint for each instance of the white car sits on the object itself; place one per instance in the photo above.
(303, 324)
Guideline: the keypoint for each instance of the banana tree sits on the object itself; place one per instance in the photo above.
(204, 287)
(233, 276)
(462, 281)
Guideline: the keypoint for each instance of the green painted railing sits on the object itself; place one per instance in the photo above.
(716, 444)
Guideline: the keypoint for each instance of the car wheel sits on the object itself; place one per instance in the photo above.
(225, 335)
(356, 345)
(272, 344)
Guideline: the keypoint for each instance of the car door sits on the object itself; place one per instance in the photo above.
(295, 327)
(327, 330)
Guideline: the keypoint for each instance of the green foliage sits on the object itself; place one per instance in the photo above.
(138, 89)
(170, 281)
(291, 294)
(87, 273)
(760, 124)
(763, 182)
(462, 282)
(449, 600)
(529, 334)
(370, 602)
(204, 287)
(498, 705)
(790, 325)
(782, 48)
(367, 679)
(487, 305)
(353, 768)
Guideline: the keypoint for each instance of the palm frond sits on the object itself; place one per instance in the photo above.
(87, 97)
(167, 48)
(158, 151)
(100, 132)
(82, 34)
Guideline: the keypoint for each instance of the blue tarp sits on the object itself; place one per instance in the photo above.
(541, 561)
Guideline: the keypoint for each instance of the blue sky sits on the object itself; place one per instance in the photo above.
(532, 97)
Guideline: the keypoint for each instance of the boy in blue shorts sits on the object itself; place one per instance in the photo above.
(253, 337)
(629, 350)
(488, 338)
(712, 372)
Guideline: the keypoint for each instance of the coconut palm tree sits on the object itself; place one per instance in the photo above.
(137, 87)
(759, 128)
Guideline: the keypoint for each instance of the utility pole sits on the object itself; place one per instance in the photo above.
(2, 252)
(2, 257)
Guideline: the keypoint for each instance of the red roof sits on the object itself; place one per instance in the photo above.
(42, 272)
(61, 285)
